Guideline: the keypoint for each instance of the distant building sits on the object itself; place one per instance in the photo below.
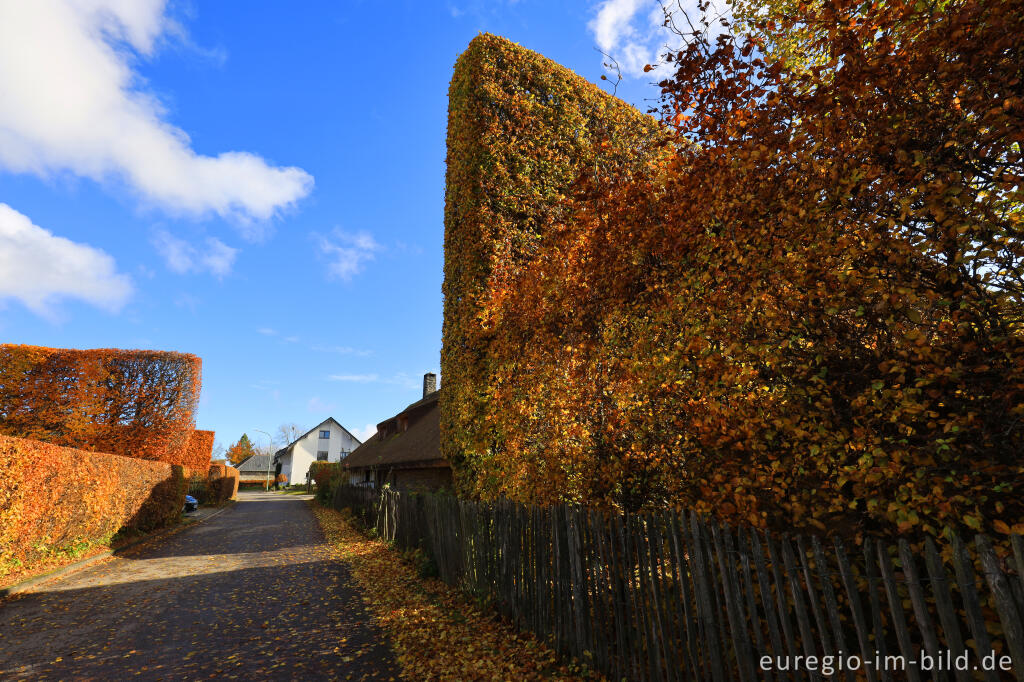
(406, 450)
(254, 469)
(328, 441)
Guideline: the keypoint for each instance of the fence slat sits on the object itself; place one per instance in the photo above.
(831, 604)
(853, 597)
(969, 594)
(754, 618)
(700, 563)
(824, 636)
(673, 596)
(666, 624)
(875, 604)
(940, 581)
(770, 613)
(896, 609)
(781, 601)
(734, 602)
(684, 611)
(917, 600)
(1008, 613)
(1018, 554)
(796, 591)
(630, 606)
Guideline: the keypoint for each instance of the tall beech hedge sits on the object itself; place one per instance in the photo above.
(135, 403)
(54, 498)
(199, 450)
(222, 483)
(806, 313)
(522, 130)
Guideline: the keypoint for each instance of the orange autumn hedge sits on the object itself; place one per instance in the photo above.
(522, 131)
(809, 317)
(54, 498)
(199, 450)
(135, 403)
(223, 483)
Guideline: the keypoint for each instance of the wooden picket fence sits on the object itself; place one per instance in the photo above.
(675, 596)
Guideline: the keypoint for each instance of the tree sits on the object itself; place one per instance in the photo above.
(288, 433)
(240, 450)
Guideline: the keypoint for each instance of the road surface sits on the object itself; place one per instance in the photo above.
(251, 593)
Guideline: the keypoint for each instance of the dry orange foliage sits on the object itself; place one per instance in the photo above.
(436, 633)
(54, 499)
(807, 314)
(134, 403)
(222, 483)
(198, 451)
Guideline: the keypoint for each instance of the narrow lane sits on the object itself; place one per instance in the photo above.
(253, 593)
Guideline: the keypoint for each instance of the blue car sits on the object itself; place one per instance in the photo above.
(191, 504)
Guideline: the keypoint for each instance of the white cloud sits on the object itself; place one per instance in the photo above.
(72, 102)
(184, 300)
(267, 331)
(356, 378)
(364, 433)
(215, 257)
(633, 31)
(398, 379)
(39, 268)
(348, 252)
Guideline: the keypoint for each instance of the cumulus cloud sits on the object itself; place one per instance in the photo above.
(38, 268)
(347, 252)
(182, 257)
(73, 103)
(633, 32)
(364, 433)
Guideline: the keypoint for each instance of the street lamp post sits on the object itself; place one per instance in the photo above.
(270, 455)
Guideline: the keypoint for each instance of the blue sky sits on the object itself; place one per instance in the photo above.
(258, 183)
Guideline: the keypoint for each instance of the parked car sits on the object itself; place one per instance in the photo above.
(191, 504)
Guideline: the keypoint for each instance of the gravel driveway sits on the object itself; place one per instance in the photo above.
(252, 593)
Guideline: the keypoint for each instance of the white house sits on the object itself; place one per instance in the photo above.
(328, 441)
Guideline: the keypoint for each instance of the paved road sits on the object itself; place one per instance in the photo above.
(252, 593)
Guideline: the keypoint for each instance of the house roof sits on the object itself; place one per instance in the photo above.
(288, 448)
(255, 464)
(420, 442)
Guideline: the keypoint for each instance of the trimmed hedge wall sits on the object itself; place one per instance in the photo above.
(53, 498)
(223, 483)
(199, 450)
(134, 403)
(522, 132)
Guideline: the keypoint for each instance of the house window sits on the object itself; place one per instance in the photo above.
(321, 456)
(324, 435)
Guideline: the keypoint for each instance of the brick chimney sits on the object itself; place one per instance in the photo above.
(429, 383)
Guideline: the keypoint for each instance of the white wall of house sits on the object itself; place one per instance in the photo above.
(307, 449)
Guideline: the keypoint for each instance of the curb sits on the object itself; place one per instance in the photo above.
(63, 571)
